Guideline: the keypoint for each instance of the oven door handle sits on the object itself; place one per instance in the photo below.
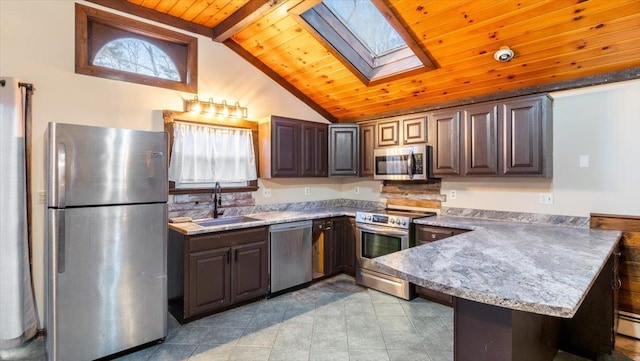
(382, 230)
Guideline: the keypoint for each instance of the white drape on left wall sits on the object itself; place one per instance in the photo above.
(18, 321)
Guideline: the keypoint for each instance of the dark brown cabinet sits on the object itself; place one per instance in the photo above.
(349, 246)
(525, 145)
(414, 130)
(314, 150)
(444, 136)
(388, 133)
(331, 249)
(210, 271)
(508, 138)
(335, 251)
(401, 131)
(480, 149)
(290, 148)
(367, 139)
(344, 146)
(216, 270)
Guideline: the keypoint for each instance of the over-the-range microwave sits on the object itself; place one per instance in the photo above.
(412, 162)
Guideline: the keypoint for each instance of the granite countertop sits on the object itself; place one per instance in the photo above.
(268, 218)
(545, 269)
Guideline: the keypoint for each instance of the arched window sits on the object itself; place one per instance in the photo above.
(137, 56)
(120, 48)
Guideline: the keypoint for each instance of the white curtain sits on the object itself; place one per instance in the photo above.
(205, 153)
(18, 321)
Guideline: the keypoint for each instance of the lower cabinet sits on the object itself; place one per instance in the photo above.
(209, 272)
(333, 247)
(218, 270)
(349, 246)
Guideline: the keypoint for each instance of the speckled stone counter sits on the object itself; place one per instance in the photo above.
(538, 268)
(268, 218)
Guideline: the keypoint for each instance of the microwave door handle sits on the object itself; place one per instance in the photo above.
(410, 164)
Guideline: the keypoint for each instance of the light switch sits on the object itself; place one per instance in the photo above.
(584, 161)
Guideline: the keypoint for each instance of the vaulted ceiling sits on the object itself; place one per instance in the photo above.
(558, 44)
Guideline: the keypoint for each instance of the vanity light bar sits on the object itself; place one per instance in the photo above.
(221, 110)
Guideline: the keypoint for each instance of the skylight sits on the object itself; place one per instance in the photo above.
(373, 47)
(367, 24)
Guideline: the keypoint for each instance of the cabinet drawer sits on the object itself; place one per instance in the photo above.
(228, 238)
(426, 234)
(208, 241)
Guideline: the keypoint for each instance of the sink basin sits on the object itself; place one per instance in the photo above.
(225, 220)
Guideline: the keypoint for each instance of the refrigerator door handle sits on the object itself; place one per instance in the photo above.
(60, 241)
(62, 176)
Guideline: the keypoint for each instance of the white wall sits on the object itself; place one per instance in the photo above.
(602, 122)
(37, 46)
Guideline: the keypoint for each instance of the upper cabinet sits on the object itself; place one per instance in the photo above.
(526, 136)
(414, 130)
(344, 150)
(480, 141)
(314, 145)
(388, 133)
(507, 138)
(444, 137)
(367, 144)
(401, 131)
(292, 148)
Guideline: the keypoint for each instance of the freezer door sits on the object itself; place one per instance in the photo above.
(98, 166)
(107, 289)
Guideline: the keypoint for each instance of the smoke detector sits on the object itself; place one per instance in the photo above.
(504, 54)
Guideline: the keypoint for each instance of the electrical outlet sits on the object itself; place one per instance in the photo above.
(41, 197)
(356, 190)
(306, 191)
(453, 194)
(266, 192)
(546, 198)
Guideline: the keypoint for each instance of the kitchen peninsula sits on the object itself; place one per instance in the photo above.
(521, 290)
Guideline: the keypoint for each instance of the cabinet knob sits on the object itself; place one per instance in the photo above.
(433, 236)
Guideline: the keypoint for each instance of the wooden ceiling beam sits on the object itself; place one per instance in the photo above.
(250, 12)
(278, 79)
(153, 15)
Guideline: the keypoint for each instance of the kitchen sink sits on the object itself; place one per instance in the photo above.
(225, 220)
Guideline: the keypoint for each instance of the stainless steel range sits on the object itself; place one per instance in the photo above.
(378, 234)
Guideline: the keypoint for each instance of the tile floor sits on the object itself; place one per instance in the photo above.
(331, 320)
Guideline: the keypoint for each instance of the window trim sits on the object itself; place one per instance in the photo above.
(350, 52)
(171, 116)
(85, 15)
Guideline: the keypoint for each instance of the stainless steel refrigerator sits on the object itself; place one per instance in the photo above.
(106, 240)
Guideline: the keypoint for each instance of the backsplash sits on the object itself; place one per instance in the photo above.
(569, 221)
(198, 206)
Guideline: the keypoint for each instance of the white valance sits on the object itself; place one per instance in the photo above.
(205, 153)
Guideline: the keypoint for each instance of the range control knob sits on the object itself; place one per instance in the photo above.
(404, 222)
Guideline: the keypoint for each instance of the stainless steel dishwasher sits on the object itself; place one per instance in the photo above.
(290, 261)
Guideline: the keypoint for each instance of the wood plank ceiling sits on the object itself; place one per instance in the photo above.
(557, 44)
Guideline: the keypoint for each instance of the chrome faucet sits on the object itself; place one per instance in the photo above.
(217, 200)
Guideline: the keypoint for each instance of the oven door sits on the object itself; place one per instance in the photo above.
(374, 241)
